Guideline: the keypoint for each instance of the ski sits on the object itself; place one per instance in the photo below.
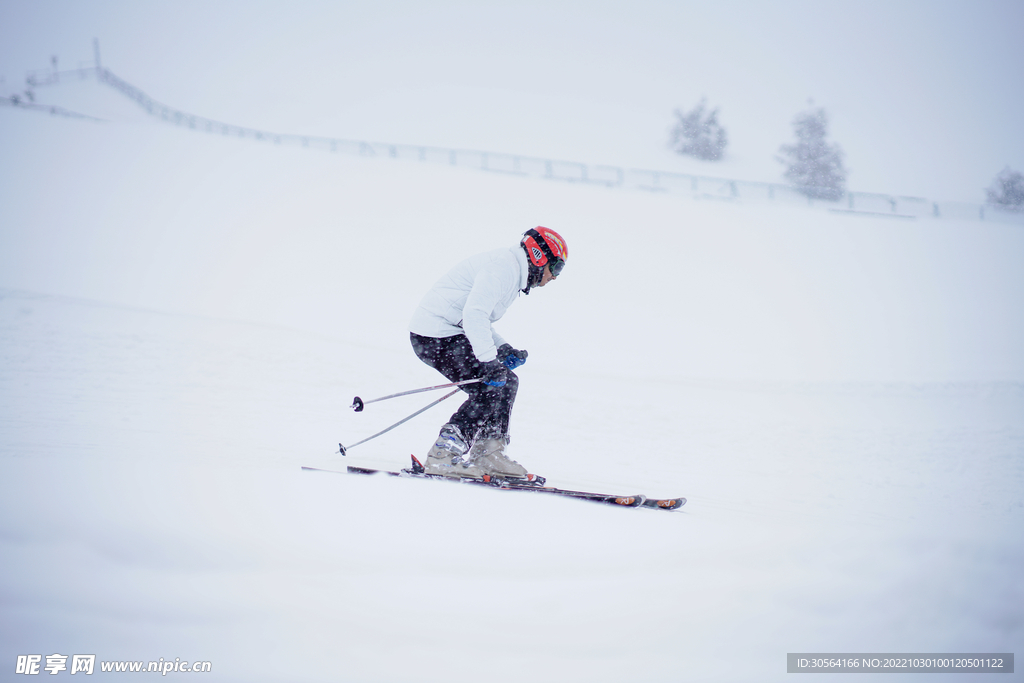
(664, 503)
(537, 486)
(504, 485)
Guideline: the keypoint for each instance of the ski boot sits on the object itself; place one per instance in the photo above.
(447, 456)
(488, 456)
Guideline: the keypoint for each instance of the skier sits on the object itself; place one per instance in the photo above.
(451, 332)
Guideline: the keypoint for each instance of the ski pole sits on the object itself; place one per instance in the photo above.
(344, 450)
(358, 404)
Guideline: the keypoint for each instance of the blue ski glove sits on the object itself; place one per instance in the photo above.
(493, 373)
(511, 358)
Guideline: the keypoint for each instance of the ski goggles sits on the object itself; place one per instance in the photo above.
(555, 266)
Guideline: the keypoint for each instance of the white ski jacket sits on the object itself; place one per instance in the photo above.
(471, 296)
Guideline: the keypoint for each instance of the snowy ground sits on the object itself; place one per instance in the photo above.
(185, 319)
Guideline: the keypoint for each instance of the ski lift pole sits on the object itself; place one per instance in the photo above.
(344, 449)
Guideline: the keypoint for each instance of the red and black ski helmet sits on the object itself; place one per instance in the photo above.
(545, 247)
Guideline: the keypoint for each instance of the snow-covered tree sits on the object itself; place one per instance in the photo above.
(1007, 190)
(814, 164)
(698, 133)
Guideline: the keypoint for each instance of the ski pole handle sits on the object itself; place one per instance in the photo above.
(358, 404)
(344, 449)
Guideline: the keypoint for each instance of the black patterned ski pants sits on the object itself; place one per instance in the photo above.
(487, 411)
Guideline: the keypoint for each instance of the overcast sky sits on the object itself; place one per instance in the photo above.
(924, 97)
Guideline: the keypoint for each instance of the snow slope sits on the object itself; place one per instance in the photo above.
(921, 96)
(184, 320)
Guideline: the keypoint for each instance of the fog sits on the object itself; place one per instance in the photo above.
(922, 96)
